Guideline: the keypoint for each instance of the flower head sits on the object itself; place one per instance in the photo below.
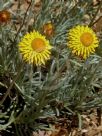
(4, 16)
(82, 41)
(35, 48)
(48, 29)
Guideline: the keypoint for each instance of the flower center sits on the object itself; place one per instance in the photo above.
(38, 45)
(86, 39)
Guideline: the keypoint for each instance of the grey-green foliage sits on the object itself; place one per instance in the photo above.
(65, 78)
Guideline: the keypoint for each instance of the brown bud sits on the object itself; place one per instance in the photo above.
(48, 29)
(4, 16)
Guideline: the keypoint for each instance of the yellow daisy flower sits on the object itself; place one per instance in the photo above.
(82, 41)
(35, 48)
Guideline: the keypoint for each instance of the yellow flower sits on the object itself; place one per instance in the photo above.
(35, 48)
(82, 41)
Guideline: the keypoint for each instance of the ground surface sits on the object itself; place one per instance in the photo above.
(92, 123)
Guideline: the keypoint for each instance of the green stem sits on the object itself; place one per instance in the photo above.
(80, 121)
